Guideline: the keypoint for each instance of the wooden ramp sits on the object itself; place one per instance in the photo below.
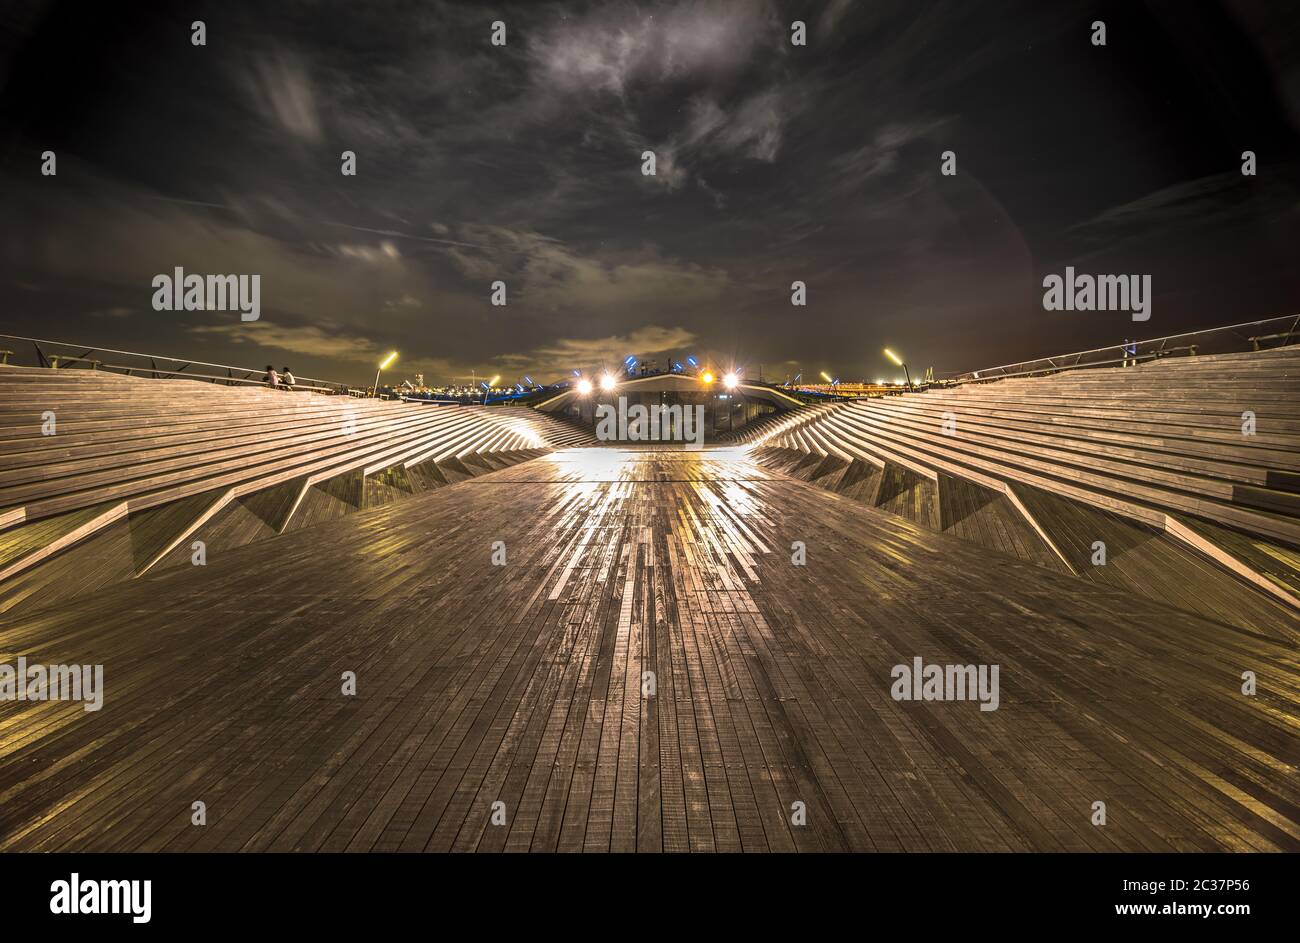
(1179, 479)
(650, 670)
(105, 477)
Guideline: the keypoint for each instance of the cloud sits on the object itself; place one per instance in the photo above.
(307, 340)
(550, 274)
(669, 173)
(282, 90)
(880, 157)
(576, 353)
(755, 129)
(386, 251)
(1216, 198)
(406, 301)
(613, 47)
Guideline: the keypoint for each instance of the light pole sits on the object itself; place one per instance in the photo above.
(388, 362)
(584, 389)
(898, 362)
(730, 382)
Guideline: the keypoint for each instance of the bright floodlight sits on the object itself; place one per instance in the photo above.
(607, 382)
(826, 377)
(388, 361)
(706, 377)
(730, 381)
(584, 386)
(894, 357)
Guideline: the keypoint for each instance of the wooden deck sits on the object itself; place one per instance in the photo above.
(522, 684)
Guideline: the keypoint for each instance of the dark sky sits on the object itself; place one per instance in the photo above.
(522, 163)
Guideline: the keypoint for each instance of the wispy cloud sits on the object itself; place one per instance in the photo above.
(281, 88)
(306, 339)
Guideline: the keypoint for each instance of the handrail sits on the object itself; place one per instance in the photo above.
(178, 368)
(1129, 360)
(228, 381)
(1150, 349)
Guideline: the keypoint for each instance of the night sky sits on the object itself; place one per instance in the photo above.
(523, 163)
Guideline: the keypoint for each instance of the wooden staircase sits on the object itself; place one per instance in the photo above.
(104, 477)
(1187, 470)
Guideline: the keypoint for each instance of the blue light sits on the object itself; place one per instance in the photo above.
(528, 380)
(692, 361)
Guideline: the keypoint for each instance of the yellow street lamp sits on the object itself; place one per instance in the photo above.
(898, 362)
(388, 362)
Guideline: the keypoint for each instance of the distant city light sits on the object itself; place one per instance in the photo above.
(584, 386)
(730, 381)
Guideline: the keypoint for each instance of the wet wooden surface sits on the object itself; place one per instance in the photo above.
(522, 685)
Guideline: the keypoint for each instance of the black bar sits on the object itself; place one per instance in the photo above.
(925, 894)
